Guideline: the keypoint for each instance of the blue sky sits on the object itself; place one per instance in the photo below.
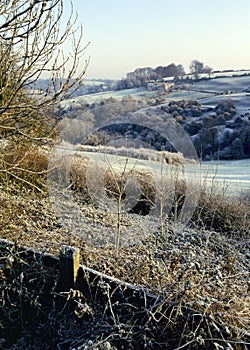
(125, 35)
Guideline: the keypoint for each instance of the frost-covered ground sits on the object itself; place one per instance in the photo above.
(208, 91)
(240, 100)
(234, 84)
(232, 175)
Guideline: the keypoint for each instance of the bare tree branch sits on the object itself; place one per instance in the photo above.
(33, 38)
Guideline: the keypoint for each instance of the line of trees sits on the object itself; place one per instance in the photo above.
(159, 72)
(196, 67)
(140, 76)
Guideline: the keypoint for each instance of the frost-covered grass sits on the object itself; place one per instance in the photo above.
(201, 270)
(185, 95)
(231, 176)
(136, 93)
(240, 101)
(234, 84)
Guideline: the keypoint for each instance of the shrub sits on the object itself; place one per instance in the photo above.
(226, 106)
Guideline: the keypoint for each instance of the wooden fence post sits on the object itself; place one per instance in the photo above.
(69, 261)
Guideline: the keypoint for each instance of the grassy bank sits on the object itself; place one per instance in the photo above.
(203, 267)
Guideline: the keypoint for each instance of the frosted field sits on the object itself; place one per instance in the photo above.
(208, 92)
(241, 101)
(231, 176)
(185, 95)
(219, 85)
(137, 93)
(236, 87)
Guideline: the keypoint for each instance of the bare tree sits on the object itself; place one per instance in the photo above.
(180, 71)
(32, 37)
(196, 67)
(208, 70)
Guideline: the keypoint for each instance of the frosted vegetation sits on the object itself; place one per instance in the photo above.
(132, 197)
(213, 112)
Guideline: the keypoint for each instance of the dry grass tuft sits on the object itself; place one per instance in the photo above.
(223, 214)
(23, 167)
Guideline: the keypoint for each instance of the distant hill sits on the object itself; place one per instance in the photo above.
(214, 112)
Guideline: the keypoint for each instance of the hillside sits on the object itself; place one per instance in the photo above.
(215, 113)
(200, 270)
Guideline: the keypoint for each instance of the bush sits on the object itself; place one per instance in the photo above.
(226, 106)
